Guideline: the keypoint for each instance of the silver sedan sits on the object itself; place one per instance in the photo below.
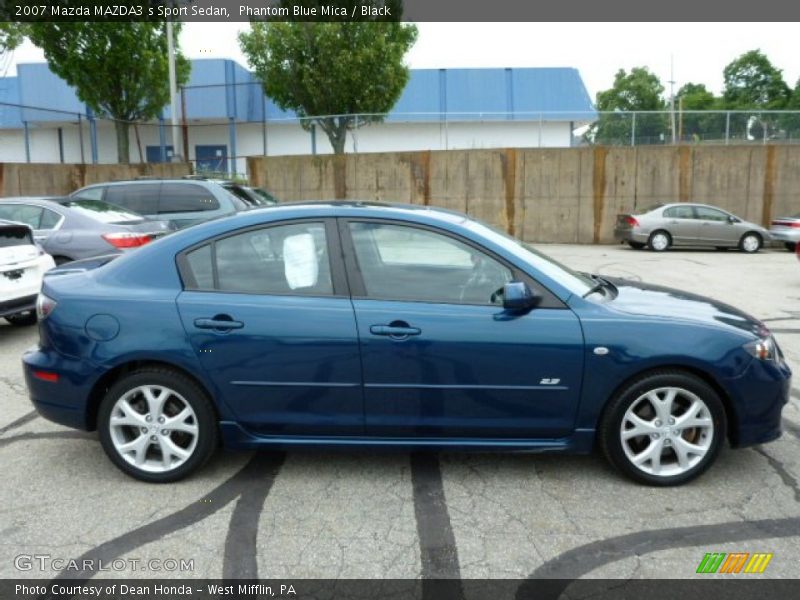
(786, 230)
(685, 224)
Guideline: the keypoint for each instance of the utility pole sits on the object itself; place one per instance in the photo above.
(173, 92)
(672, 95)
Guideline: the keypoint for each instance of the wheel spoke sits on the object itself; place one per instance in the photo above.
(155, 401)
(130, 416)
(640, 427)
(170, 449)
(689, 419)
(138, 447)
(652, 453)
(662, 406)
(179, 422)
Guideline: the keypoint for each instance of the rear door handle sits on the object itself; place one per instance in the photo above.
(220, 324)
(395, 330)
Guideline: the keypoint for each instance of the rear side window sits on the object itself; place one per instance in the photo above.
(185, 197)
(679, 212)
(138, 197)
(22, 213)
(50, 219)
(284, 259)
(14, 236)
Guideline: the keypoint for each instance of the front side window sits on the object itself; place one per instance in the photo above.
(710, 214)
(399, 262)
(284, 259)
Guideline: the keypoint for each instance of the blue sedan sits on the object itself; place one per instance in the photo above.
(363, 325)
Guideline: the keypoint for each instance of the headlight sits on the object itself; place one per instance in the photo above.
(764, 349)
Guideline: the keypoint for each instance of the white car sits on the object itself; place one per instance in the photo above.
(22, 266)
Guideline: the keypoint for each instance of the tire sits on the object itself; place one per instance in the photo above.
(22, 319)
(790, 246)
(705, 439)
(659, 241)
(186, 451)
(750, 243)
(636, 245)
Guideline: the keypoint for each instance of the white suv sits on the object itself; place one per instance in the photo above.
(22, 266)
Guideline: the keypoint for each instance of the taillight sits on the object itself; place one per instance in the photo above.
(127, 240)
(46, 376)
(44, 306)
(793, 224)
(631, 221)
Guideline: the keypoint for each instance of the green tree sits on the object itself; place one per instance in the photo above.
(693, 97)
(119, 69)
(752, 82)
(791, 122)
(11, 35)
(639, 90)
(332, 71)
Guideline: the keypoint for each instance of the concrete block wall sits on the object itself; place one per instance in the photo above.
(569, 195)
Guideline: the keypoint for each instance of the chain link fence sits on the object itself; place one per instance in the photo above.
(217, 145)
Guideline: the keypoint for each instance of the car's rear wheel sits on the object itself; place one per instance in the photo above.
(636, 245)
(22, 319)
(665, 428)
(659, 241)
(790, 246)
(157, 425)
(750, 243)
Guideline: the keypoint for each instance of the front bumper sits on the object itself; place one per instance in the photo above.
(759, 396)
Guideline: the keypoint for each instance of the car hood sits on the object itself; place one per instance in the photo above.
(635, 297)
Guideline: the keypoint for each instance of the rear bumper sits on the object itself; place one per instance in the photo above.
(64, 401)
(785, 235)
(18, 305)
(630, 235)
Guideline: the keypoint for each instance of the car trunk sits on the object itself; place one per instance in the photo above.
(16, 245)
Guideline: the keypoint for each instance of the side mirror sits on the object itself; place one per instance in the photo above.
(518, 296)
(732, 219)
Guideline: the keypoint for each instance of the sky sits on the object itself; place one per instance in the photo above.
(698, 52)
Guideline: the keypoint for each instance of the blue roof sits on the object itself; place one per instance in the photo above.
(219, 89)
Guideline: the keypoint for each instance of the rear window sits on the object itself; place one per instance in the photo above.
(13, 235)
(141, 198)
(186, 197)
(92, 193)
(102, 211)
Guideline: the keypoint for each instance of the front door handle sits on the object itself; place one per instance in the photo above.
(219, 323)
(398, 330)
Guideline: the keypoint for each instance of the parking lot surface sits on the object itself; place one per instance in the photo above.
(395, 515)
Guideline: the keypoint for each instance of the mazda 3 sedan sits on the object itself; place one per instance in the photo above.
(364, 325)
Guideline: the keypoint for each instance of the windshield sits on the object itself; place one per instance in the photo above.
(103, 211)
(572, 280)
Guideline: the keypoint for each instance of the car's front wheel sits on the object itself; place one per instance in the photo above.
(665, 428)
(790, 246)
(157, 425)
(750, 243)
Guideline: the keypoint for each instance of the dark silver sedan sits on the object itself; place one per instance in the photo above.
(72, 229)
(685, 224)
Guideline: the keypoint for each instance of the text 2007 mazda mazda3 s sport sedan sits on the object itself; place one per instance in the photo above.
(349, 324)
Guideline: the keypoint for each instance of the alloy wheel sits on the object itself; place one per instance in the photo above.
(153, 428)
(667, 431)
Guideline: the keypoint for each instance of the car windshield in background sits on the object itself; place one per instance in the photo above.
(13, 235)
(103, 211)
(238, 201)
